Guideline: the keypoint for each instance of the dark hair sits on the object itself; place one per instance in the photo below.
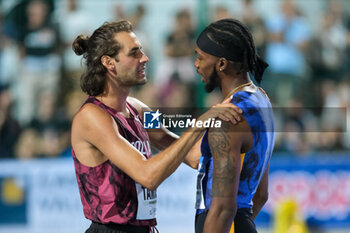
(232, 35)
(100, 43)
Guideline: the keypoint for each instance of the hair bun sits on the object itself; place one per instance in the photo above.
(79, 45)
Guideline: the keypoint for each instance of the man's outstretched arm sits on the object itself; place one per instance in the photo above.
(163, 138)
(261, 195)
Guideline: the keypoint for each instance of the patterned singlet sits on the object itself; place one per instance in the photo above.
(257, 111)
(108, 194)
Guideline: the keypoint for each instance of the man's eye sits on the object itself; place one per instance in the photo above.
(135, 53)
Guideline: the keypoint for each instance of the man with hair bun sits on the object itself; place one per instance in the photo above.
(116, 173)
(233, 168)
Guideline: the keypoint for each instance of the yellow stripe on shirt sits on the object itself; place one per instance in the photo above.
(232, 230)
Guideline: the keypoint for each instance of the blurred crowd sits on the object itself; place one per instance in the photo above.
(308, 80)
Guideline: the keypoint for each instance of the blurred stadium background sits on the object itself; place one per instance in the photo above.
(307, 44)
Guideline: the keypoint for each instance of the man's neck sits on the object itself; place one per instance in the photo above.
(115, 98)
(228, 84)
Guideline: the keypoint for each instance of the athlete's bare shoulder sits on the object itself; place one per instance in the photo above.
(89, 125)
(90, 118)
(88, 112)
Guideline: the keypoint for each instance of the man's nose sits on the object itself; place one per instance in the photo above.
(144, 58)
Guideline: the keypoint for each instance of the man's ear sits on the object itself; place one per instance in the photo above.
(222, 64)
(107, 62)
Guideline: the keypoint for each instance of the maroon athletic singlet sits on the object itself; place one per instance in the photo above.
(108, 194)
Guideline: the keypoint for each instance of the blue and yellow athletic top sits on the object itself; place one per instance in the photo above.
(257, 111)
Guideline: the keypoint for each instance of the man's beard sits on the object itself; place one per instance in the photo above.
(132, 82)
(213, 82)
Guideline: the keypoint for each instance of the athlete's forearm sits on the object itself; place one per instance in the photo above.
(162, 165)
(219, 219)
(256, 210)
(159, 167)
(261, 195)
(258, 202)
(164, 140)
(193, 156)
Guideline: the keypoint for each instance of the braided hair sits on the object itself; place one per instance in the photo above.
(235, 37)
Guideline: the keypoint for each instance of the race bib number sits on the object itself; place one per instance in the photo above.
(147, 201)
(199, 194)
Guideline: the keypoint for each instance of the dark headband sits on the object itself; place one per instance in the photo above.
(208, 46)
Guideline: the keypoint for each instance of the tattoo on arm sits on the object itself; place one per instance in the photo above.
(224, 169)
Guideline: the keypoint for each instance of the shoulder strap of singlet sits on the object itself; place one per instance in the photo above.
(138, 120)
(133, 111)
